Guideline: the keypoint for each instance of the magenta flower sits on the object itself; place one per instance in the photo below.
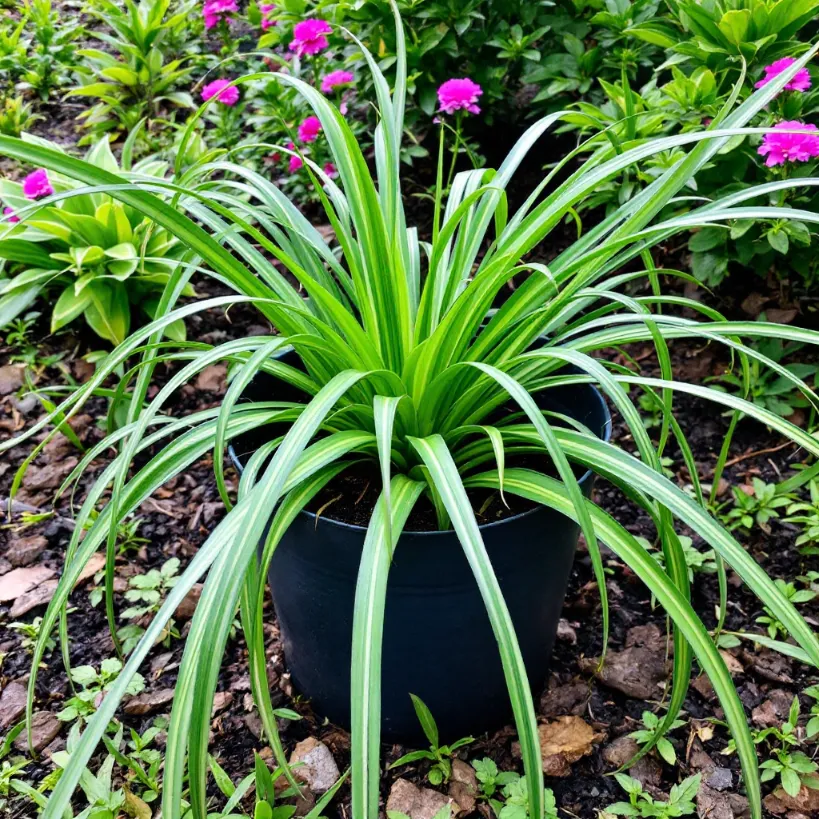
(782, 147)
(309, 37)
(309, 129)
(799, 82)
(36, 185)
(218, 89)
(10, 215)
(336, 79)
(459, 95)
(330, 170)
(216, 10)
(296, 162)
(267, 9)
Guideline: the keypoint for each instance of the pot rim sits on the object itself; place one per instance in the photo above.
(605, 436)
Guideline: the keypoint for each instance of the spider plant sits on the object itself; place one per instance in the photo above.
(405, 368)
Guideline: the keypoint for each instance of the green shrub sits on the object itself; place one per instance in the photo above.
(92, 255)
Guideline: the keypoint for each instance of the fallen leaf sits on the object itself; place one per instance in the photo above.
(563, 741)
(38, 596)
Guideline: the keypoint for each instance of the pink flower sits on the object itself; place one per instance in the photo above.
(216, 10)
(459, 95)
(309, 129)
(781, 147)
(227, 96)
(335, 79)
(799, 82)
(36, 185)
(267, 9)
(309, 37)
(330, 170)
(296, 162)
(11, 215)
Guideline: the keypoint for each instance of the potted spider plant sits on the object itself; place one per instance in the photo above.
(404, 373)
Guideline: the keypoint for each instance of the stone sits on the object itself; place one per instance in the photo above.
(150, 702)
(319, 770)
(38, 596)
(44, 728)
(12, 704)
(463, 786)
(18, 581)
(565, 700)
(23, 551)
(712, 804)
(621, 751)
(637, 671)
(417, 803)
(212, 378)
(11, 379)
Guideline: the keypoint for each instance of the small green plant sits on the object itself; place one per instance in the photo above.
(104, 800)
(812, 728)
(772, 624)
(768, 388)
(439, 755)
(10, 766)
(16, 116)
(93, 684)
(100, 255)
(491, 779)
(793, 767)
(640, 803)
(30, 633)
(647, 734)
(516, 801)
(145, 594)
(805, 514)
(758, 508)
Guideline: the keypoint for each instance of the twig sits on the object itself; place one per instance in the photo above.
(747, 455)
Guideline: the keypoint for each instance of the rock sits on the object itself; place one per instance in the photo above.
(11, 379)
(319, 770)
(637, 671)
(19, 581)
(647, 771)
(711, 804)
(23, 551)
(212, 379)
(720, 779)
(649, 636)
(566, 632)
(564, 700)
(621, 751)
(12, 704)
(188, 605)
(774, 711)
(779, 802)
(44, 727)
(769, 665)
(564, 741)
(417, 803)
(38, 596)
(149, 703)
(463, 786)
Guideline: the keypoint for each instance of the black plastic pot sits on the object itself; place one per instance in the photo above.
(438, 642)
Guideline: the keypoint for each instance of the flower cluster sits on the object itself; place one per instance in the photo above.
(336, 79)
(309, 129)
(218, 88)
(10, 215)
(799, 82)
(310, 37)
(781, 147)
(37, 185)
(459, 95)
(267, 10)
(214, 11)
